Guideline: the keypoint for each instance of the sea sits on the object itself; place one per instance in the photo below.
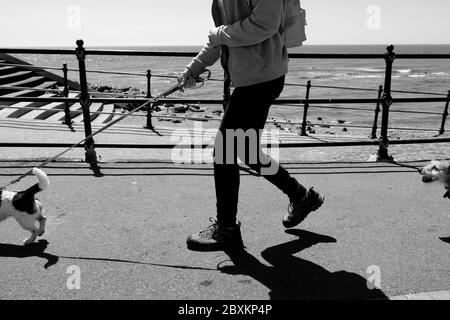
(429, 76)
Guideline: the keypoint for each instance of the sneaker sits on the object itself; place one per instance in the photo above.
(299, 210)
(216, 238)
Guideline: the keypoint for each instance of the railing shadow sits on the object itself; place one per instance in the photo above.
(291, 277)
(166, 169)
(196, 173)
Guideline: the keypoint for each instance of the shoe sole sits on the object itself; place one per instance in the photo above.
(290, 224)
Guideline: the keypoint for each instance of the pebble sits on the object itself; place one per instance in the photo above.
(195, 108)
(180, 108)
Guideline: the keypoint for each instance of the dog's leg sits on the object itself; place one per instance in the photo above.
(32, 237)
(28, 223)
(42, 221)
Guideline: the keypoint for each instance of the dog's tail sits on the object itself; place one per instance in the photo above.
(42, 178)
(42, 184)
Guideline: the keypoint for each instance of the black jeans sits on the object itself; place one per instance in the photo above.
(248, 110)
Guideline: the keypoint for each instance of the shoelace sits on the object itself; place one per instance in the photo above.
(211, 230)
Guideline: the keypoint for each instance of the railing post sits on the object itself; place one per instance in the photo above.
(377, 112)
(387, 102)
(305, 110)
(226, 91)
(149, 84)
(149, 124)
(445, 115)
(89, 145)
(67, 119)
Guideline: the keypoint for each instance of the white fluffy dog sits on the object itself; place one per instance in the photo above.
(25, 208)
(438, 171)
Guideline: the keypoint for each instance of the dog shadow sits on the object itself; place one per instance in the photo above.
(36, 249)
(293, 278)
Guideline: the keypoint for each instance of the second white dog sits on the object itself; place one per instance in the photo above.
(438, 171)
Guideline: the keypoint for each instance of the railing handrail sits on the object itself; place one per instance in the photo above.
(217, 80)
(97, 52)
(206, 146)
(217, 101)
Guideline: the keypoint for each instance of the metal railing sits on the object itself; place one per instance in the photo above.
(383, 102)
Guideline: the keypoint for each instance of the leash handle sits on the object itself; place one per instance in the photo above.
(196, 82)
(203, 77)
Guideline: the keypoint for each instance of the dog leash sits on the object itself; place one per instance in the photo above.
(405, 165)
(198, 79)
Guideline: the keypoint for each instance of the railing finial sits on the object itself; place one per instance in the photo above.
(80, 51)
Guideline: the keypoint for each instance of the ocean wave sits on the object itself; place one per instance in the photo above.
(375, 70)
(417, 75)
(429, 75)
(440, 74)
(359, 70)
(371, 70)
(358, 76)
(403, 71)
(319, 75)
(358, 73)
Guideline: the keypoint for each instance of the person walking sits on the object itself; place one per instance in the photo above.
(248, 38)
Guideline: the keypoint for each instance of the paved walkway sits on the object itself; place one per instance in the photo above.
(126, 234)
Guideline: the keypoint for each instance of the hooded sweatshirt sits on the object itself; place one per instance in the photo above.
(248, 36)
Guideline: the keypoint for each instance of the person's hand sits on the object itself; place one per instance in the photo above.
(186, 79)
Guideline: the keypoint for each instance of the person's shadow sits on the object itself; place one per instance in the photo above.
(446, 240)
(290, 277)
(36, 249)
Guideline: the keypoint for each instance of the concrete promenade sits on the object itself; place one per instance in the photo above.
(126, 232)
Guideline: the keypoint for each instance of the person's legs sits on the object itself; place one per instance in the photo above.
(246, 114)
(248, 111)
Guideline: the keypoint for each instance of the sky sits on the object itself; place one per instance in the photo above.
(57, 23)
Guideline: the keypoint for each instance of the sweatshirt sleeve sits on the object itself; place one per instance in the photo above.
(207, 57)
(262, 23)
